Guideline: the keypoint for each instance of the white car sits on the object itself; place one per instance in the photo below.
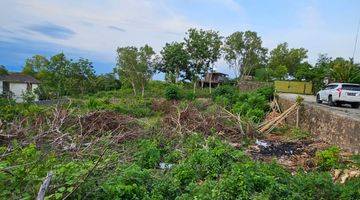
(336, 94)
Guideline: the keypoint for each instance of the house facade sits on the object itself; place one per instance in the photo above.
(213, 78)
(14, 85)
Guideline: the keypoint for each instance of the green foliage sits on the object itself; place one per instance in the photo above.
(203, 47)
(224, 91)
(175, 61)
(244, 52)
(3, 70)
(148, 155)
(172, 92)
(28, 96)
(328, 159)
(252, 105)
(9, 110)
(129, 183)
(282, 56)
(136, 66)
(204, 168)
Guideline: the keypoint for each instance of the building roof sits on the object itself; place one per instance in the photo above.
(18, 78)
(217, 73)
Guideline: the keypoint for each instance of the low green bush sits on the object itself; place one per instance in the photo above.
(148, 155)
(329, 158)
(172, 92)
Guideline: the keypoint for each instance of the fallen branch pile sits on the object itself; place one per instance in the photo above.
(188, 119)
(65, 131)
(268, 126)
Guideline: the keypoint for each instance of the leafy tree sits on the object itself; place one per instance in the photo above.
(81, 77)
(174, 61)
(35, 66)
(106, 82)
(204, 50)
(147, 66)
(345, 71)
(279, 72)
(244, 52)
(136, 66)
(60, 76)
(290, 58)
(305, 72)
(3, 70)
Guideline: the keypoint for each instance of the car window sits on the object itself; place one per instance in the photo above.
(329, 87)
(351, 87)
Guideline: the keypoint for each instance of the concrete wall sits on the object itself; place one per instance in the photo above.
(340, 130)
(245, 86)
(18, 89)
(1, 87)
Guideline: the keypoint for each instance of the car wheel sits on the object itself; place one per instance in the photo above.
(355, 105)
(318, 100)
(330, 101)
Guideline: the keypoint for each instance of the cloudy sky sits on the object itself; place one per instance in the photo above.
(93, 29)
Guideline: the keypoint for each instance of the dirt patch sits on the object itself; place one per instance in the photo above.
(290, 154)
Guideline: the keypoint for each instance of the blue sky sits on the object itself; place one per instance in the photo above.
(93, 29)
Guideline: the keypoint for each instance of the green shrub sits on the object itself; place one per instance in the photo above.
(241, 108)
(190, 96)
(256, 115)
(328, 159)
(268, 92)
(222, 101)
(172, 92)
(224, 90)
(130, 183)
(148, 155)
(94, 104)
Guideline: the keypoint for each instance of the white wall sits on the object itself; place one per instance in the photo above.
(18, 89)
(1, 87)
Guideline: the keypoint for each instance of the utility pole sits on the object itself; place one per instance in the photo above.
(356, 39)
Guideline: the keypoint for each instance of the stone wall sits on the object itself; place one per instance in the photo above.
(252, 85)
(340, 130)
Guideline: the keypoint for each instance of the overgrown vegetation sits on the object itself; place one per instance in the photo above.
(144, 139)
(114, 145)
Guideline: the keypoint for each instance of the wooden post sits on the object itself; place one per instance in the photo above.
(297, 117)
(44, 186)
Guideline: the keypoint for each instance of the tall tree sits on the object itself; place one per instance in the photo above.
(147, 63)
(35, 65)
(136, 66)
(204, 50)
(244, 52)
(174, 61)
(345, 71)
(81, 77)
(290, 58)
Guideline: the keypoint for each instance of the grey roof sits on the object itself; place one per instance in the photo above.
(18, 78)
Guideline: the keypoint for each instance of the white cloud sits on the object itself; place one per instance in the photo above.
(143, 21)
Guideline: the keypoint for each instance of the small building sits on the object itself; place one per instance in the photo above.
(213, 78)
(14, 85)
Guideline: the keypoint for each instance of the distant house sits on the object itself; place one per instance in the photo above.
(14, 85)
(213, 78)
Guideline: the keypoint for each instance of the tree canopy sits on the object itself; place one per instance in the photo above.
(244, 52)
(174, 61)
(290, 58)
(136, 66)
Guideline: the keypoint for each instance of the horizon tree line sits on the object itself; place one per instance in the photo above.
(187, 60)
